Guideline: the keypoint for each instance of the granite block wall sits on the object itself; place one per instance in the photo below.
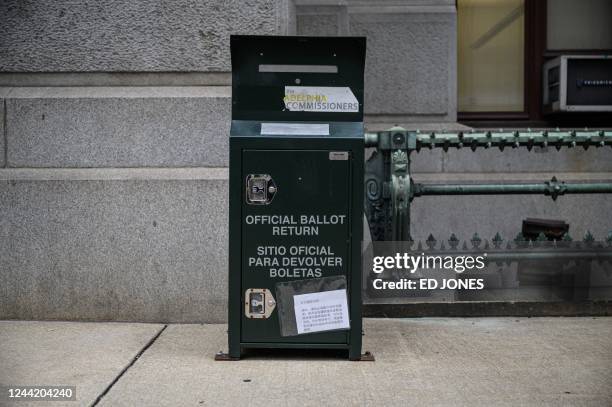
(113, 155)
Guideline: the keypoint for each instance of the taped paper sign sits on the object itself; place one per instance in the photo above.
(291, 129)
(322, 311)
(320, 99)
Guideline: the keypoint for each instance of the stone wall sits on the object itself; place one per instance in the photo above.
(123, 245)
(114, 119)
(114, 153)
(411, 54)
(130, 36)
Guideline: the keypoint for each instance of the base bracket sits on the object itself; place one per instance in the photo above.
(366, 357)
(225, 357)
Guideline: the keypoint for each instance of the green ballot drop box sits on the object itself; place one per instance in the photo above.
(296, 194)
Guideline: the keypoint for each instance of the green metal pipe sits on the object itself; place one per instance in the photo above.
(512, 189)
(393, 139)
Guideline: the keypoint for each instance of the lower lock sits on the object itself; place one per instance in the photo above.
(258, 303)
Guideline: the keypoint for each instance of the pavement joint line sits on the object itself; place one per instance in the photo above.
(125, 369)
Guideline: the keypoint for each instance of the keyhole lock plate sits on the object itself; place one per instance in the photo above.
(258, 303)
(260, 189)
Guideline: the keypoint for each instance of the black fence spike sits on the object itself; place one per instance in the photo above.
(453, 242)
(431, 242)
(476, 240)
(520, 238)
(410, 242)
(497, 240)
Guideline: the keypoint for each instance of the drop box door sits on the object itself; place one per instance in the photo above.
(311, 183)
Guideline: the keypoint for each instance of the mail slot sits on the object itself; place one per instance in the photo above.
(296, 193)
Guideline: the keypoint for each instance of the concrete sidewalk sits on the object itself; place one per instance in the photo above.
(429, 361)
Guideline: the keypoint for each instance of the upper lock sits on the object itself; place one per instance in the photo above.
(260, 189)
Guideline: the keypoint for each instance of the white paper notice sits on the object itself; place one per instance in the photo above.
(292, 129)
(320, 99)
(324, 311)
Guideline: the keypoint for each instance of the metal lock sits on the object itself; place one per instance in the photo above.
(260, 189)
(258, 303)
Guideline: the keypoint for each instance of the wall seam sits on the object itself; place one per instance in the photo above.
(4, 133)
(114, 174)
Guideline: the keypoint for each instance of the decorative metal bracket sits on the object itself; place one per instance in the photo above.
(400, 194)
(555, 188)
